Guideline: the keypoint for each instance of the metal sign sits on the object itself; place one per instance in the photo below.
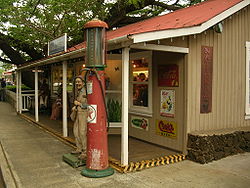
(58, 45)
(139, 122)
(166, 128)
(206, 79)
(167, 108)
(92, 113)
(168, 75)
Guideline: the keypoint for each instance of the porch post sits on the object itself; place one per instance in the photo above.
(17, 91)
(20, 92)
(64, 95)
(125, 97)
(36, 95)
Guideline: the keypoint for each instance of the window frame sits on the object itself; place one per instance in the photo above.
(247, 107)
(141, 110)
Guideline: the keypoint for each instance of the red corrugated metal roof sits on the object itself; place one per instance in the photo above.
(186, 17)
(77, 47)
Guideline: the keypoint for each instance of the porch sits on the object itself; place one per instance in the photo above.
(138, 150)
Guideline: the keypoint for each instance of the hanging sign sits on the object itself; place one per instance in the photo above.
(58, 45)
(168, 75)
(139, 122)
(167, 108)
(166, 128)
(92, 113)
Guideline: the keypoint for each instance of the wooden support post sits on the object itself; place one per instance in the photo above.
(125, 98)
(20, 92)
(17, 91)
(36, 95)
(64, 95)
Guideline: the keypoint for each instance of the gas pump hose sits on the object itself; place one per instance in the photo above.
(88, 71)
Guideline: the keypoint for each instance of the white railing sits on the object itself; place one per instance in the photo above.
(27, 99)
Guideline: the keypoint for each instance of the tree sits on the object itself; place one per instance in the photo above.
(26, 26)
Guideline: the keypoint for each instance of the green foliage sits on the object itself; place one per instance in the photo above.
(13, 88)
(136, 3)
(6, 66)
(114, 110)
(35, 22)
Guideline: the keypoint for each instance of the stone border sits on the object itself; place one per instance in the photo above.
(10, 177)
(204, 149)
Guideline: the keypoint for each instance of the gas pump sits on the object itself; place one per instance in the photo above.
(97, 164)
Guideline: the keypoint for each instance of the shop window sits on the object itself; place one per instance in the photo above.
(57, 79)
(113, 86)
(140, 83)
(247, 80)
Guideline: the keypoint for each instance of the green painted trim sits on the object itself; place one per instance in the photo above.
(97, 173)
(97, 67)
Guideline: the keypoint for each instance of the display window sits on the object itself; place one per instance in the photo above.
(140, 82)
(57, 79)
(113, 80)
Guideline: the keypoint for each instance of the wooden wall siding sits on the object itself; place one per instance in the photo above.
(228, 97)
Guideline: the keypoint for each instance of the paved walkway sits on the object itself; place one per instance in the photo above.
(30, 157)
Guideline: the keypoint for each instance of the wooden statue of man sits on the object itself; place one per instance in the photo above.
(79, 116)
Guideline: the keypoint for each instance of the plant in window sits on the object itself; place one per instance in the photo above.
(114, 110)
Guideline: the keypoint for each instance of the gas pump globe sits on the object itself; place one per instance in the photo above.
(95, 44)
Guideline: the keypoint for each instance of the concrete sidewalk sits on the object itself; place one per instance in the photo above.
(30, 157)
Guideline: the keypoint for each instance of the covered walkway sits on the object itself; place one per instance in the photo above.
(138, 150)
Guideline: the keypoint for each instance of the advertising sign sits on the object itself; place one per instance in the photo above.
(139, 122)
(206, 79)
(57, 45)
(167, 108)
(92, 113)
(168, 75)
(166, 128)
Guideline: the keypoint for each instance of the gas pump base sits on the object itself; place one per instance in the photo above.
(73, 160)
(97, 173)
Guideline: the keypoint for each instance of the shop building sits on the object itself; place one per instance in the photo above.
(180, 80)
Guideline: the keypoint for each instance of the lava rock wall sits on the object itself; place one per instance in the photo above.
(204, 149)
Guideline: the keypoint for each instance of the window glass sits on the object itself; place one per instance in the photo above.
(113, 86)
(140, 95)
(57, 79)
(140, 72)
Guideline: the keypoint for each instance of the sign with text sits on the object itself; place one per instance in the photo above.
(58, 45)
(168, 75)
(166, 128)
(206, 79)
(167, 108)
(139, 122)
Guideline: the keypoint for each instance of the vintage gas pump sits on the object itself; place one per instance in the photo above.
(97, 164)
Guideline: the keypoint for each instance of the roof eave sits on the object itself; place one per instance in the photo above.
(171, 33)
(54, 59)
(68, 55)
